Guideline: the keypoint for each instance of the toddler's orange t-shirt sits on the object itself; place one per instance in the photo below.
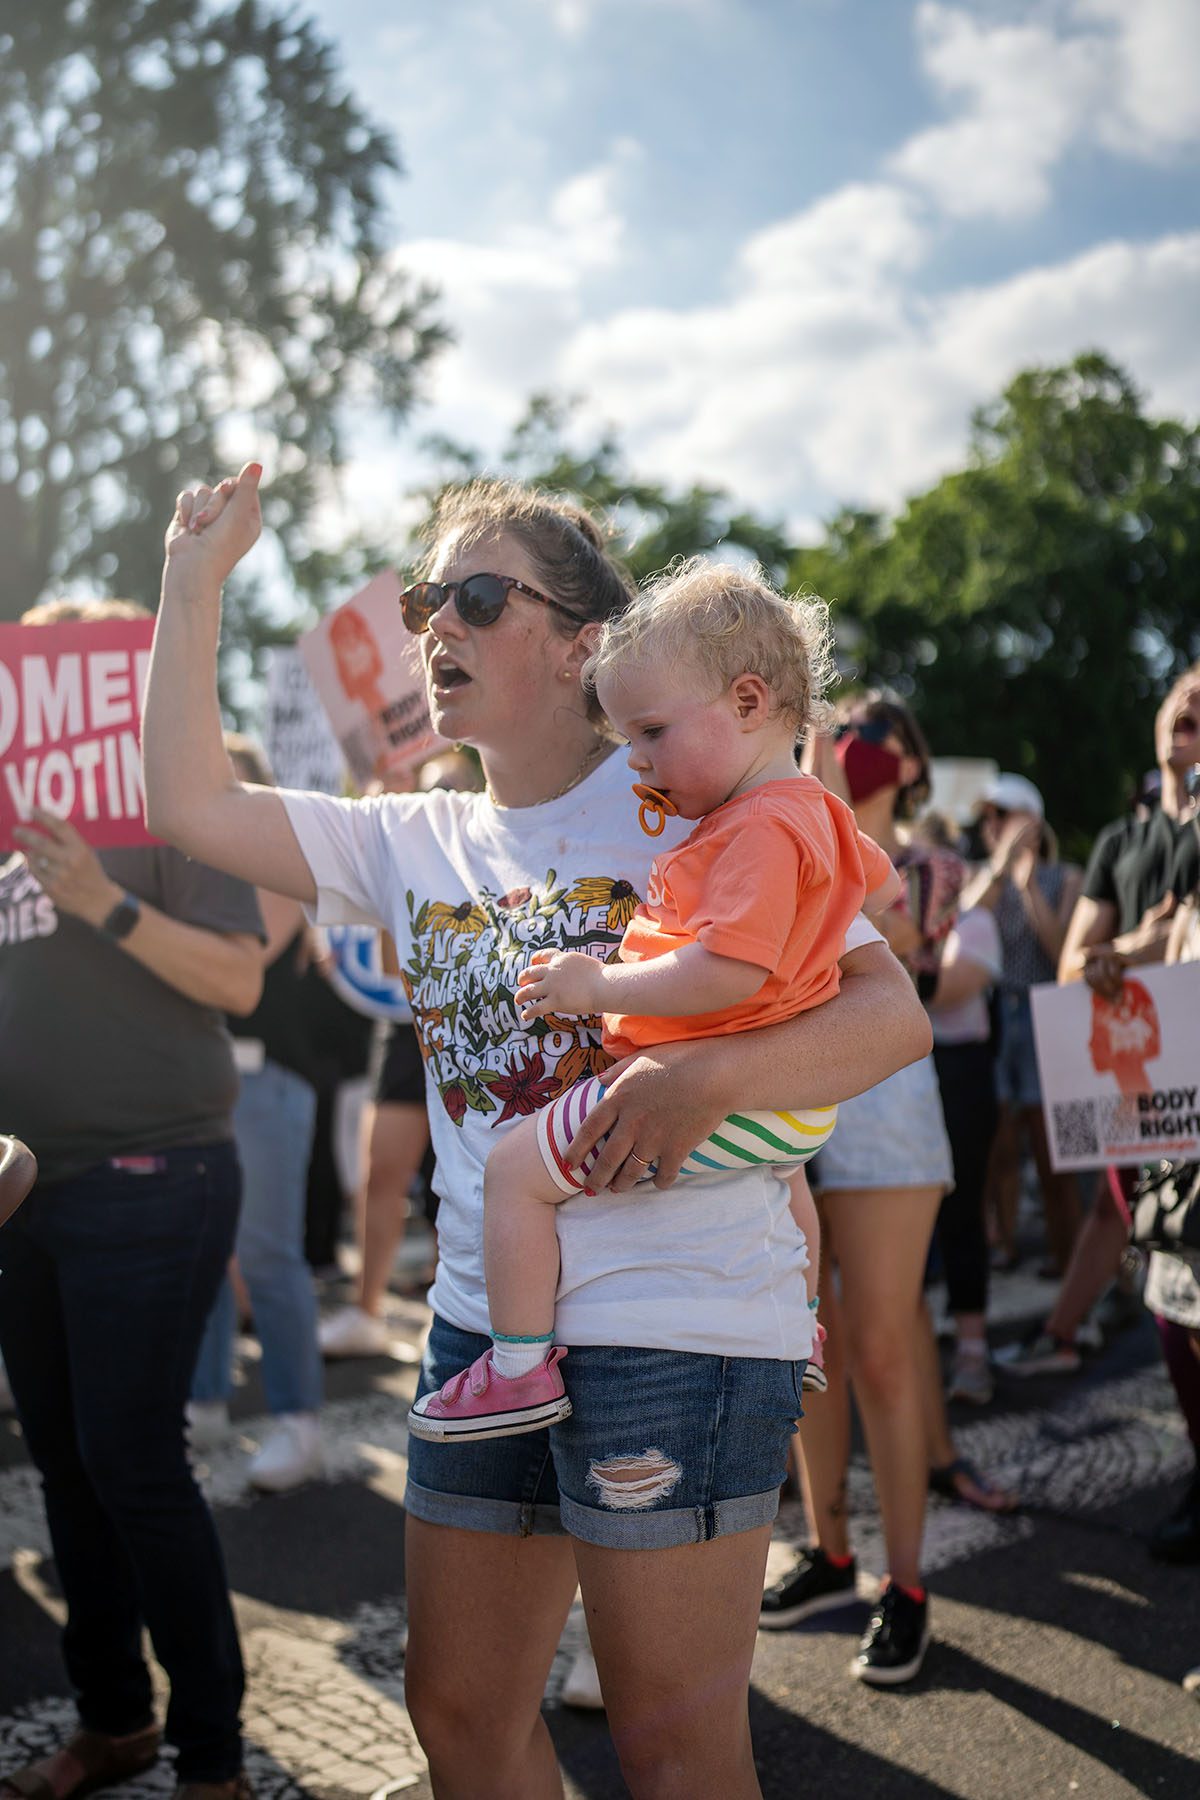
(773, 878)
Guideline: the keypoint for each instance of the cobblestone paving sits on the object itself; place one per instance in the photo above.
(325, 1711)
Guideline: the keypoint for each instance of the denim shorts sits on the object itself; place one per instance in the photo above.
(1018, 1083)
(894, 1135)
(664, 1447)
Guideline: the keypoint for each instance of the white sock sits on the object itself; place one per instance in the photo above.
(514, 1356)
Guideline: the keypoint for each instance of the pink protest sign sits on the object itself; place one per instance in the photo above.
(70, 725)
(366, 667)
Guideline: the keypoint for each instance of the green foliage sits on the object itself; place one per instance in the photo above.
(191, 227)
(652, 523)
(1033, 606)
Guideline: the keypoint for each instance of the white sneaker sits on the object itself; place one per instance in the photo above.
(291, 1454)
(207, 1424)
(582, 1686)
(352, 1332)
(1089, 1335)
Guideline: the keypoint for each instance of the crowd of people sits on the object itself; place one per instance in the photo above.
(719, 1072)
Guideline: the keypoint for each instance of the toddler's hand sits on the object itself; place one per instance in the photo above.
(559, 981)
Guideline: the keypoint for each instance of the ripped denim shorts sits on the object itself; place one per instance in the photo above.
(664, 1447)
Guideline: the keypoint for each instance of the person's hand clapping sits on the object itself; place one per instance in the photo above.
(67, 868)
(212, 529)
(1018, 848)
(560, 981)
(1104, 971)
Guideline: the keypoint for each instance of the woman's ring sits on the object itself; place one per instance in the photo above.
(644, 1160)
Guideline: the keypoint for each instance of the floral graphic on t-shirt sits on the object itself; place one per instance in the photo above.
(618, 899)
(460, 976)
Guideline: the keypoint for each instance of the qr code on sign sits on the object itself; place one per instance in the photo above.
(1075, 1131)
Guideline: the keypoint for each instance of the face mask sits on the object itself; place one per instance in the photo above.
(868, 767)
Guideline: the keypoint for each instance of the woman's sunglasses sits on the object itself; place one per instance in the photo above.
(871, 731)
(480, 600)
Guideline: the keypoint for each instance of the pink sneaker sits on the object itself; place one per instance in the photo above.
(478, 1403)
(815, 1381)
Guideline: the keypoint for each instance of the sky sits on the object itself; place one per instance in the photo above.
(781, 246)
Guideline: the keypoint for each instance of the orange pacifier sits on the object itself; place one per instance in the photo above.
(655, 809)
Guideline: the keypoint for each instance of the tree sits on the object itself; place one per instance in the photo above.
(653, 524)
(191, 214)
(1034, 605)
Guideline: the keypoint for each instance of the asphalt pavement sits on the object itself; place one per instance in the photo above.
(1059, 1645)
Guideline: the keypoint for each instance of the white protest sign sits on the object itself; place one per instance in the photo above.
(300, 745)
(366, 667)
(1121, 1082)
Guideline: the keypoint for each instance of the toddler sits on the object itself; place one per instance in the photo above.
(710, 676)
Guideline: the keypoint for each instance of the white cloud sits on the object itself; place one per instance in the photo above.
(799, 394)
(1157, 49)
(825, 371)
(1028, 90)
(1024, 93)
(574, 17)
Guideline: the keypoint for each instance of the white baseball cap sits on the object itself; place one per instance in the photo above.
(1013, 793)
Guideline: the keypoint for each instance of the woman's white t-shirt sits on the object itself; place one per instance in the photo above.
(468, 891)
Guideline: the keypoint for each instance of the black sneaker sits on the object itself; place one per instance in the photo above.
(815, 1585)
(896, 1640)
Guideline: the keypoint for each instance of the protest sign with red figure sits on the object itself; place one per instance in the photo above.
(70, 727)
(366, 667)
(1121, 1078)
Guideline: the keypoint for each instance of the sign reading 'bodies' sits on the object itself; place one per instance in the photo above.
(70, 722)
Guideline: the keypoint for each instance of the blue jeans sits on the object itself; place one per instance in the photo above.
(706, 1437)
(273, 1122)
(1018, 1083)
(107, 1280)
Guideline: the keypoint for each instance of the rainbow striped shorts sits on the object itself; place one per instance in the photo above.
(745, 1140)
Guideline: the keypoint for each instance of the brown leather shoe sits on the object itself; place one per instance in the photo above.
(102, 1762)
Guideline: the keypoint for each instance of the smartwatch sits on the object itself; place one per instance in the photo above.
(123, 917)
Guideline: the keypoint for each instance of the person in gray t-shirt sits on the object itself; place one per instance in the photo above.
(115, 1066)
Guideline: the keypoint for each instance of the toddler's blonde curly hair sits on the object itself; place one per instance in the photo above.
(727, 621)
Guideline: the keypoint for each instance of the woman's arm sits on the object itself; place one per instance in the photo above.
(1050, 924)
(193, 798)
(1181, 927)
(215, 968)
(1090, 928)
(960, 978)
(283, 918)
(666, 1100)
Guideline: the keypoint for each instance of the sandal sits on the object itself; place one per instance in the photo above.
(953, 1480)
(103, 1762)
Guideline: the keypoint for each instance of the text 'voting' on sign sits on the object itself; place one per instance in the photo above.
(70, 726)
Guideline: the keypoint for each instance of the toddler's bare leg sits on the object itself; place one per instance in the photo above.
(520, 1243)
(803, 1209)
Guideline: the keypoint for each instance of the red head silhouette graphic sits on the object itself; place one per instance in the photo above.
(1125, 1037)
(358, 659)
